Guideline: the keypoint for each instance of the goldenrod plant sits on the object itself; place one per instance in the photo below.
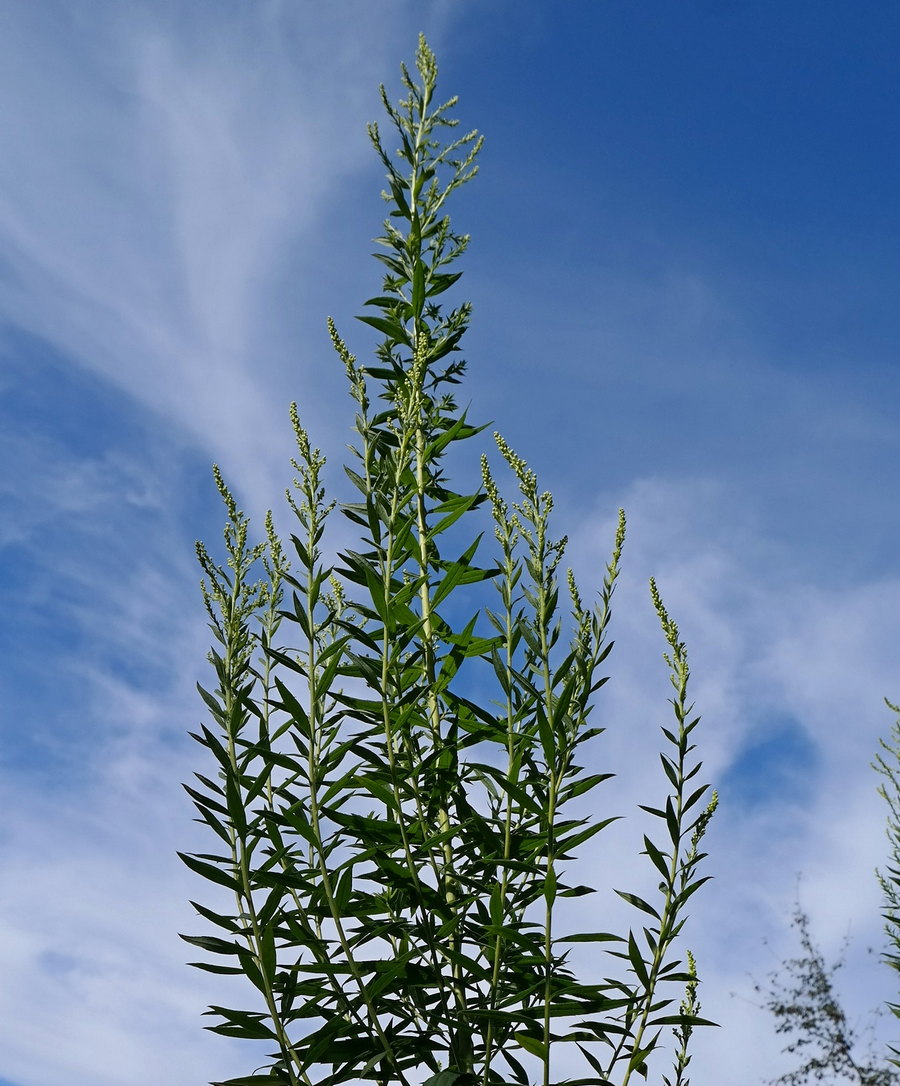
(398, 739)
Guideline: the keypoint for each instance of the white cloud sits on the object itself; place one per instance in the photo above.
(161, 180)
(94, 986)
(762, 645)
(162, 167)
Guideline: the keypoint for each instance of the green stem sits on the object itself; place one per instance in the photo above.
(388, 564)
(669, 911)
(240, 850)
(544, 619)
(461, 1039)
(507, 589)
(315, 717)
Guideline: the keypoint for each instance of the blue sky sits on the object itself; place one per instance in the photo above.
(684, 271)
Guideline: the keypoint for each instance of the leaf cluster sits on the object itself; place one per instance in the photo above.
(395, 843)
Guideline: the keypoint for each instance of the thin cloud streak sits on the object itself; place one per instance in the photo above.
(151, 188)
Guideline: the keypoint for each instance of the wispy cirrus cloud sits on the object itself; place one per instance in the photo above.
(155, 188)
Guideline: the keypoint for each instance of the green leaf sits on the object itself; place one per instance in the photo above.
(681, 1020)
(459, 572)
(291, 705)
(236, 809)
(384, 301)
(212, 944)
(267, 954)
(589, 937)
(672, 823)
(269, 1079)
(442, 1078)
(212, 967)
(344, 889)
(250, 965)
(658, 857)
(567, 844)
(695, 796)
(418, 291)
(585, 784)
(212, 702)
(225, 922)
(209, 740)
(550, 887)
(248, 1029)
(692, 888)
(577, 891)
(515, 791)
(638, 903)
(496, 905)
(637, 961)
(204, 803)
(519, 1072)
(440, 283)
(594, 1062)
(548, 744)
(211, 872)
(392, 329)
(638, 1061)
(532, 1045)
(670, 768)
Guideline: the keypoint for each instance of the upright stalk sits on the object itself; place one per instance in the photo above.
(395, 842)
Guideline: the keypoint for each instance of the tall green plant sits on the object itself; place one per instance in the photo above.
(398, 739)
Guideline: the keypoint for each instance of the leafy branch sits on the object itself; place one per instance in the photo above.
(397, 734)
